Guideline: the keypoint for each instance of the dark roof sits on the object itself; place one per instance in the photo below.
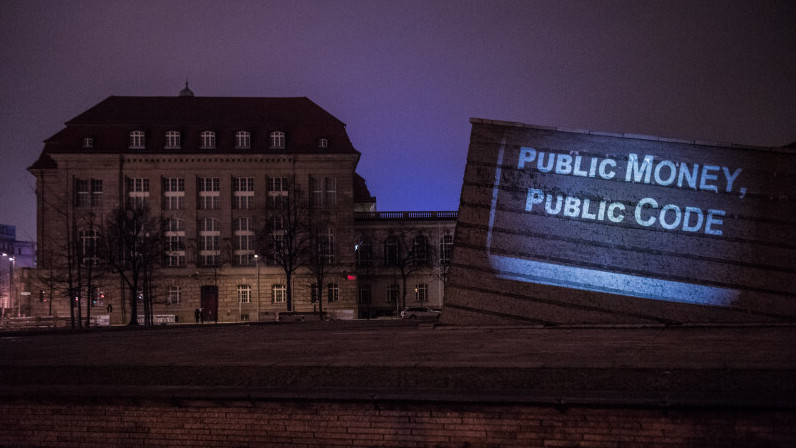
(110, 122)
(361, 192)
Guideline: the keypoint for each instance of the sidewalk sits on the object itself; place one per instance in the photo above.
(740, 366)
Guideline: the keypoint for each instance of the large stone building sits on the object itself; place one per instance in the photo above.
(221, 173)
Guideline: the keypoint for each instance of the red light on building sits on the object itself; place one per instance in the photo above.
(351, 277)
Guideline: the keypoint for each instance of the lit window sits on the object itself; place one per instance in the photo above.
(137, 140)
(277, 140)
(242, 140)
(172, 140)
(88, 142)
(323, 143)
(244, 294)
(208, 139)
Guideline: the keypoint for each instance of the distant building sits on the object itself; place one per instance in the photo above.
(221, 172)
(14, 256)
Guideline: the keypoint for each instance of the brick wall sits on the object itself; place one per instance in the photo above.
(241, 423)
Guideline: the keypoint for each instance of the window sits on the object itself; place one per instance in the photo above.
(323, 143)
(209, 234)
(137, 192)
(243, 193)
(173, 193)
(243, 237)
(363, 251)
(137, 140)
(278, 293)
(314, 293)
(244, 294)
(323, 192)
(175, 242)
(174, 296)
(446, 249)
(82, 193)
(277, 192)
(97, 297)
(88, 142)
(172, 140)
(277, 140)
(421, 293)
(208, 139)
(88, 248)
(96, 192)
(243, 140)
(88, 192)
(391, 250)
(363, 294)
(209, 192)
(419, 251)
(332, 293)
(392, 294)
(325, 241)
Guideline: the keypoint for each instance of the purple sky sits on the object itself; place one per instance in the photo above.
(406, 76)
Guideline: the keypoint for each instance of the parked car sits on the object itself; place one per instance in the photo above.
(420, 313)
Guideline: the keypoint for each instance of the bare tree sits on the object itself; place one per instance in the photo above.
(320, 261)
(408, 253)
(131, 242)
(285, 237)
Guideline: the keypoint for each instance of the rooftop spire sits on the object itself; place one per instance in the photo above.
(186, 91)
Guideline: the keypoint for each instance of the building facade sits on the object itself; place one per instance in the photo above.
(15, 256)
(243, 191)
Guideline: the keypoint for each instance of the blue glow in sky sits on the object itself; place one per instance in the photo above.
(406, 76)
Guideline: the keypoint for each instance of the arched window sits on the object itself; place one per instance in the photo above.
(172, 139)
(277, 140)
(136, 139)
(208, 139)
(243, 140)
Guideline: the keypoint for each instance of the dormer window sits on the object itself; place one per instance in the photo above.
(323, 143)
(243, 140)
(277, 140)
(172, 140)
(88, 142)
(137, 140)
(208, 139)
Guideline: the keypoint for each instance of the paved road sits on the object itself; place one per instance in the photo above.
(727, 366)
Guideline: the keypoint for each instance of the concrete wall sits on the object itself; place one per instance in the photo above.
(560, 226)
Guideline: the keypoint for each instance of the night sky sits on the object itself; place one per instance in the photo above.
(406, 76)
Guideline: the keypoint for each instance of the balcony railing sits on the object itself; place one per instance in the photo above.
(384, 216)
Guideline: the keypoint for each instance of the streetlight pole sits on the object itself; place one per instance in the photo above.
(257, 264)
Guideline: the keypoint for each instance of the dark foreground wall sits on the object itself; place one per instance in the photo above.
(581, 227)
(245, 423)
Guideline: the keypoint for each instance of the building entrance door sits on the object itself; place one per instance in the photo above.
(209, 303)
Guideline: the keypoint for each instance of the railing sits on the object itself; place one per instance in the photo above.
(377, 216)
